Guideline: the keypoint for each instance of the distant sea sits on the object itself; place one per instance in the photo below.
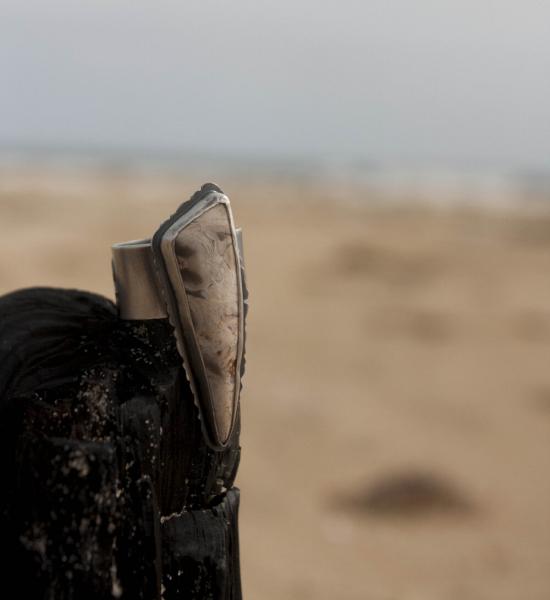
(433, 182)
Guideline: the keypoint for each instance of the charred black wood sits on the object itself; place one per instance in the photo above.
(66, 492)
(196, 545)
(109, 488)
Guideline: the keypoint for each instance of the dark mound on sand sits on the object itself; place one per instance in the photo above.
(409, 494)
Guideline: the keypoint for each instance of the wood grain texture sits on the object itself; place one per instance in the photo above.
(100, 442)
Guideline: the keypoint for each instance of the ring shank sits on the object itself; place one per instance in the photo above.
(137, 291)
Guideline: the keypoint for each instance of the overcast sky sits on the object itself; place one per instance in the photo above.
(381, 80)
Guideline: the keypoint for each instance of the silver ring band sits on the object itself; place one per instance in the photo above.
(137, 291)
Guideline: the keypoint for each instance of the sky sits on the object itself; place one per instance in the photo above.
(429, 81)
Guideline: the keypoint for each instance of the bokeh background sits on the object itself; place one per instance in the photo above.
(389, 163)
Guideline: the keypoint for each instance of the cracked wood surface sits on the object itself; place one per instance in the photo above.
(100, 439)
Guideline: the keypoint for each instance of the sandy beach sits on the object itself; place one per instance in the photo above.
(396, 409)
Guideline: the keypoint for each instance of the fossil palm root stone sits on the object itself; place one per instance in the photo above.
(208, 265)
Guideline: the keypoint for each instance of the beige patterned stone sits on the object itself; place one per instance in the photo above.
(208, 266)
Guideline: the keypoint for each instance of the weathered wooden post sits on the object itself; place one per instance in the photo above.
(119, 425)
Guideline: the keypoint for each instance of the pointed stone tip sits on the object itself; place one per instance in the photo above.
(211, 187)
(224, 431)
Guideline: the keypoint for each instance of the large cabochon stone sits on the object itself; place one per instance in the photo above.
(208, 264)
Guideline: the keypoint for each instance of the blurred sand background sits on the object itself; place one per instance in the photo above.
(396, 412)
